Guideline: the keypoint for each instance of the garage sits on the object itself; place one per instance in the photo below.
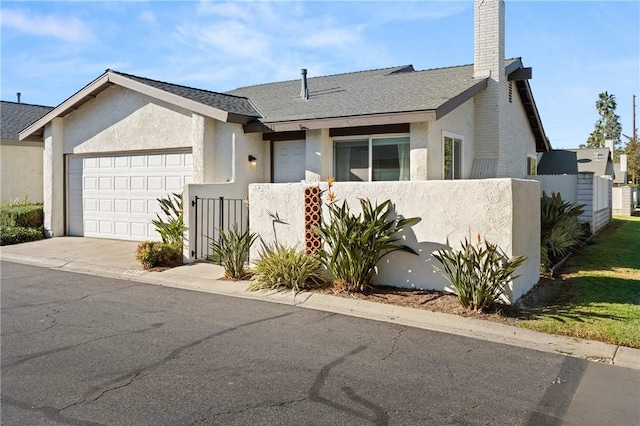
(115, 196)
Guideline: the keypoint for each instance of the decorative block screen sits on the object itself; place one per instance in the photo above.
(312, 217)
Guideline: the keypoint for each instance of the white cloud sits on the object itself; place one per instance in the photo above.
(65, 28)
(148, 16)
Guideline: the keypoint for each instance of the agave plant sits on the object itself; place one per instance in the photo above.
(232, 251)
(172, 228)
(354, 244)
(478, 273)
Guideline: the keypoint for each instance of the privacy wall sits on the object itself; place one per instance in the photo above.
(503, 211)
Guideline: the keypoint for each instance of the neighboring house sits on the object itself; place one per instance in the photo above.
(572, 161)
(21, 162)
(123, 140)
(581, 176)
(620, 177)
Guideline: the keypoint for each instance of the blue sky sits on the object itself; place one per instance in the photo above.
(577, 49)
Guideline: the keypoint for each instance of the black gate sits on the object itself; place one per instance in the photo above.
(213, 215)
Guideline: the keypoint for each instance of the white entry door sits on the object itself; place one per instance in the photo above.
(115, 196)
(289, 161)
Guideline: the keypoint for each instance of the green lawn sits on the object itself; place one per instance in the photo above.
(604, 279)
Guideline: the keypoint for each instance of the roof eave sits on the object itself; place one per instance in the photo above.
(461, 98)
(35, 132)
(340, 122)
(162, 95)
(542, 141)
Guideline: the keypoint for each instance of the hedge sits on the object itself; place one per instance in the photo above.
(16, 235)
(29, 216)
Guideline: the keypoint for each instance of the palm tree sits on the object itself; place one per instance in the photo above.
(606, 104)
(608, 125)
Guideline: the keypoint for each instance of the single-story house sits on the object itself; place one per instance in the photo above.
(123, 140)
(21, 162)
(581, 176)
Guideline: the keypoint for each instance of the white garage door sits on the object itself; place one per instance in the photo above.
(116, 196)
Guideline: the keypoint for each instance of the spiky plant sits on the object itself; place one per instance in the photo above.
(560, 230)
(232, 251)
(354, 244)
(478, 273)
(171, 228)
(285, 268)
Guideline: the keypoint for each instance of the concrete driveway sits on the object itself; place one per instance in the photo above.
(116, 256)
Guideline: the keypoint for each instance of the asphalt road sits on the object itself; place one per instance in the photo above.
(81, 349)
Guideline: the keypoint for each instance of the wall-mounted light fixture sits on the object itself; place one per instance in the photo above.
(253, 160)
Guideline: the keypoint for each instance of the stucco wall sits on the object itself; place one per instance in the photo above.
(123, 120)
(461, 122)
(519, 139)
(231, 150)
(319, 155)
(503, 211)
(21, 170)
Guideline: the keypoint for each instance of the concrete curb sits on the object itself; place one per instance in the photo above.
(195, 277)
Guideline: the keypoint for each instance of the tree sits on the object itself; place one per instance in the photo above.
(633, 159)
(608, 126)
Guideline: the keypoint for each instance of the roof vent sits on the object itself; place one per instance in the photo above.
(18, 94)
(304, 92)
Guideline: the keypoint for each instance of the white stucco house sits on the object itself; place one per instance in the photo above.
(20, 162)
(122, 140)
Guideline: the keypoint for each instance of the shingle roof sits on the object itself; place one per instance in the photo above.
(226, 102)
(573, 161)
(596, 160)
(386, 90)
(558, 162)
(14, 117)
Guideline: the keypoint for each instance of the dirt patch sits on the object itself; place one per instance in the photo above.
(547, 293)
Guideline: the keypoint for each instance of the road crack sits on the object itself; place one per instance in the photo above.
(395, 342)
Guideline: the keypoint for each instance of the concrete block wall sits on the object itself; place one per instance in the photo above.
(601, 218)
(584, 195)
(622, 204)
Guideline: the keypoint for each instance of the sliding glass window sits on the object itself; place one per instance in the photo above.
(452, 147)
(372, 159)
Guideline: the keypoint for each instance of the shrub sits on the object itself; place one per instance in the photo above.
(478, 273)
(232, 251)
(17, 234)
(560, 230)
(18, 202)
(172, 228)
(284, 268)
(156, 254)
(354, 244)
(22, 215)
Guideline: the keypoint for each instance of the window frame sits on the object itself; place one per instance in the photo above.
(459, 168)
(532, 159)
(369, 139)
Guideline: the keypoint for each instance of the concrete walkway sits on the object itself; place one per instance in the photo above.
(116, 259)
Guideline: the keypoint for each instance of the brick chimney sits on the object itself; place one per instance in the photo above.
(490, 104)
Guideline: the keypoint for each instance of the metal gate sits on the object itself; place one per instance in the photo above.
(213, 215)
